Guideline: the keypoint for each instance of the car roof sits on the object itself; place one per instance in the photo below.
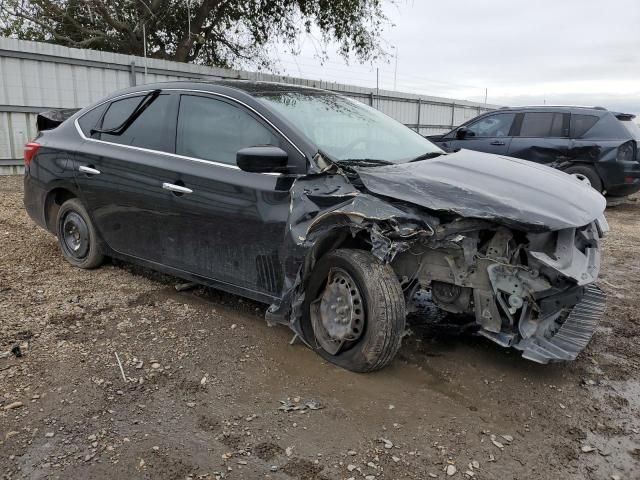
(254, 87)
(562, 108)
(249, 87)
(244, 91)
(600, 111)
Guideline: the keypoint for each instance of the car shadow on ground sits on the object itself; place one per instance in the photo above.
(432, 335)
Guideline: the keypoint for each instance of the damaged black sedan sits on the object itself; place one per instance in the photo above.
(327, 210)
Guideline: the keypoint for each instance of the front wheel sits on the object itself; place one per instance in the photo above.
(77, 236)
(354, 310)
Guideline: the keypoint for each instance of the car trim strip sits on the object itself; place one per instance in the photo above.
(176, 155)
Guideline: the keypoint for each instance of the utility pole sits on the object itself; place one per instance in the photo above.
(395, 71)
(144, 46)
(377, 88)
(486, 94)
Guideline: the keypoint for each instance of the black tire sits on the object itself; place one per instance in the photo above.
(588, 173)
(384, 308)
(87, 255)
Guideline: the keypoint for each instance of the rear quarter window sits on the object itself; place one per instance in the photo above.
(90, 120)
(608, 127)
(581, 124)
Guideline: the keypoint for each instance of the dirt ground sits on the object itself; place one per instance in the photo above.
(206, 378)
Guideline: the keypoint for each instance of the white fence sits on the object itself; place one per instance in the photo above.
(39, 76)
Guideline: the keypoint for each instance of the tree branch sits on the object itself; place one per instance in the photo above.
(186, 43)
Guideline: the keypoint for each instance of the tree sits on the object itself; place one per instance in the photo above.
(224, 33)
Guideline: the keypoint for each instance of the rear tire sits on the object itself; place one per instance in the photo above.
(587, 172)
(383, 303)
(77, 236)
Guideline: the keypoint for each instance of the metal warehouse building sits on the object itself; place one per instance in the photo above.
(39, 76)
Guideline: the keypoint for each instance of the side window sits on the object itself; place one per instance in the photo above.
(90, 120)
(150, 130)
(497, 125)
(581, 124)
(556, 125)
(542, 124)
(215, 130)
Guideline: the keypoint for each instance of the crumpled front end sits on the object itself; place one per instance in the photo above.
(526, 275)
(559, 330)
(531, 291)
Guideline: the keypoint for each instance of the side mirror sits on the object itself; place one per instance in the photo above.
(462, 133)
(265, 159)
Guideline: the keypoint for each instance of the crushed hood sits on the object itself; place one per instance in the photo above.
(492, 187)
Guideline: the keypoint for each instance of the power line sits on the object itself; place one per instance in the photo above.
(357, 71)
(331, 71)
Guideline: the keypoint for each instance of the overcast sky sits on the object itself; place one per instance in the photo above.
(583, 52)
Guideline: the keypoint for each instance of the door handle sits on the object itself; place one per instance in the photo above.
(88, 170)
(176, 188)
(497, 142)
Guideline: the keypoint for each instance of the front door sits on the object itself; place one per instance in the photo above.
(232, 224)
(490, 134)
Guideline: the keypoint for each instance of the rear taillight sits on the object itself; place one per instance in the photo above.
(626, 152)
(30, 150)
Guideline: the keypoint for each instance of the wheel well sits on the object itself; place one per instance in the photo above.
(55, 199)
(588, 165)
(338, 238)
(583, 164)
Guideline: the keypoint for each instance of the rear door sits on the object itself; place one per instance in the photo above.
(541, 137)
(120, 177)
(491, 134)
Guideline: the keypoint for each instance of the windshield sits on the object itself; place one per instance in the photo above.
(348, 130)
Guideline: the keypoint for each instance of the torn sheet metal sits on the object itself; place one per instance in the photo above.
(327, 205)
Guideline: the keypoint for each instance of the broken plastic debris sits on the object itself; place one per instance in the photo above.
(290, 406)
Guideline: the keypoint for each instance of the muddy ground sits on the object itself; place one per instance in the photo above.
(205, 378)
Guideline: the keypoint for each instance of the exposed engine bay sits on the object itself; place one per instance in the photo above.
(524, 290)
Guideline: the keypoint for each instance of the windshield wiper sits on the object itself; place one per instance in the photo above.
(426, 156)
(364, 162)
(147, 100)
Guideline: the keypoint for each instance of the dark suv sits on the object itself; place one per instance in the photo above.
(590, 142)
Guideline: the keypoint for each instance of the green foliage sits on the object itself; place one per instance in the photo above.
(225, 33)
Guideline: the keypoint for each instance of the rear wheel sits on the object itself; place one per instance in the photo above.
(354, 311)
(587, 175)
(77, 236)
